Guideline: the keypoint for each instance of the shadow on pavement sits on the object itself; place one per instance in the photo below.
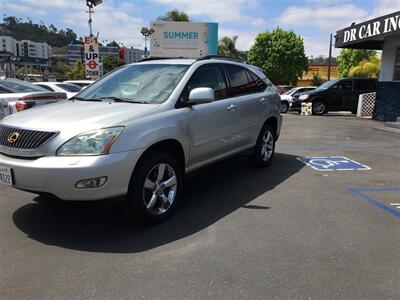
(210, 195)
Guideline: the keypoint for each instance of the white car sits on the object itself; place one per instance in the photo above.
(287, 98)
(70, 89)
(17, 95)
(82, 83)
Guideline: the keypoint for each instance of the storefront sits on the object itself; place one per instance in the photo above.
(382, 33)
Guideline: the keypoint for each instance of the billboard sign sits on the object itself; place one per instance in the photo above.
(91, 47)
(183, 39)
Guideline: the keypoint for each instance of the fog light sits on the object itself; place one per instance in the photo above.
(91, 183)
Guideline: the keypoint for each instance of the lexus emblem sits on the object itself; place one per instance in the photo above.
(13, 137)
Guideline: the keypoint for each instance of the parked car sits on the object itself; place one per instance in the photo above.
(284, 88)
(81, 83)
(69, 88)
(138, 130)
(337, 95)
(287, 98)
(17, 95)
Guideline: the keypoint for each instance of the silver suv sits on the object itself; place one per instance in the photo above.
(137, 131)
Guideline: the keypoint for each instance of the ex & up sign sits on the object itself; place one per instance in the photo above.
(91, 47)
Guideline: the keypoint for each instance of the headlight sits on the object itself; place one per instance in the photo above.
(97, 142)
(304, 97)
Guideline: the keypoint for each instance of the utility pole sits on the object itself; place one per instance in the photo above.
(330, 58)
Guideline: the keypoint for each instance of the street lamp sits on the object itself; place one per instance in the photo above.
(90, 4)
(146, 32)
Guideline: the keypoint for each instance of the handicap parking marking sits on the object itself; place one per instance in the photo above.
(333, 163)
(392, 208)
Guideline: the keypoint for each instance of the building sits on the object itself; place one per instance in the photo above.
(75, 52)
(131, 55)
(321, 70)
(381, 33)
(24, 51)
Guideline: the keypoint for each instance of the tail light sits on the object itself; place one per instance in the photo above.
(20, 105)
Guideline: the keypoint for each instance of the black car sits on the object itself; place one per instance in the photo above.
(336, 95)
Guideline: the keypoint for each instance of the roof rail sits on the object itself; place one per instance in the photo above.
(159, 58)
(222, 57)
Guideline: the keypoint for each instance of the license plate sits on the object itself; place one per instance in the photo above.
(6, 176)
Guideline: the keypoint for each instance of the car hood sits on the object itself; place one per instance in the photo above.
(78, 116)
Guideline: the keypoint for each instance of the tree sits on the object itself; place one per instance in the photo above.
(280, 54)
(60, 70)
(317, 80)
(350, 58)
(110, 62)
(227, 47)
(367, 68)
(175, 16)
(78, 71)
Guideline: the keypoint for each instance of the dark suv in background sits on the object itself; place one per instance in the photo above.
(336, 95)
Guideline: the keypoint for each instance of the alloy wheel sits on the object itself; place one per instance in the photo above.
(267, 146)
(160, 188)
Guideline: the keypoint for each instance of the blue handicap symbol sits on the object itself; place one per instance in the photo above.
(333, 163)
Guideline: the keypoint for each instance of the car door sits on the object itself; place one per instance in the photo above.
(252, 102)
(212, 126)
(341, 94)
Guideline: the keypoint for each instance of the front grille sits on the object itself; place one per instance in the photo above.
(27, 139)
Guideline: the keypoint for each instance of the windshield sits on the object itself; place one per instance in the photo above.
(291, 91)
(149, 83)
(21, 87)
(327, 85)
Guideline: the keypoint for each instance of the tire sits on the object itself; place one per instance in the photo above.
(153, 194)
(284, 107)
(319, 108)
(265, 147)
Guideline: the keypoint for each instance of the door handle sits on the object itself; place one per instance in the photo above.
(231, 107)
(263, 100)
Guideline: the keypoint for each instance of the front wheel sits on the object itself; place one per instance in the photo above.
(284, 107)
(319, 108)
(155, 188)
(265, 147)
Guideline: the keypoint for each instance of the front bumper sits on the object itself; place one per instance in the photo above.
(58, 175)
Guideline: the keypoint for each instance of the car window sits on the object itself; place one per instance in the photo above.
(21, 86)
(365, 85)
(208, 76)
(69, 87)
(256, 84)
(46, 87)
(150, 83)
(239, 80)
(344, 86)
(3, 90)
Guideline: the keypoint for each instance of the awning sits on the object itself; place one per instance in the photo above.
(369, 34)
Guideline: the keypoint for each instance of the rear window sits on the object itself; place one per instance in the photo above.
(21, 87)
(46, 87)
(69, 87)
(244, 81)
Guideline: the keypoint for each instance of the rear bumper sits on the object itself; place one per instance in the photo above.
(58, 175)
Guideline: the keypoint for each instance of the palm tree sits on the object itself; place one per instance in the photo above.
(227, 47)
(175, 16)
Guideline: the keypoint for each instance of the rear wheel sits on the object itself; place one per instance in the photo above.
(284, 107)
(265, 147)
(319, 108)
(155, 188)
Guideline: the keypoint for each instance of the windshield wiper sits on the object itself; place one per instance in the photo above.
(83, 99)
(127, 100)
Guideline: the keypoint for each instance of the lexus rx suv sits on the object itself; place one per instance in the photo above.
(137, 131)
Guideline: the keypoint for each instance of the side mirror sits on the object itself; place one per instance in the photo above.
(201, 95)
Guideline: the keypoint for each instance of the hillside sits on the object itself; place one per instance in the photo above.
(27, 30)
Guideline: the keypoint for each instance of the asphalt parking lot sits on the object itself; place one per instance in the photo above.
(286, 232)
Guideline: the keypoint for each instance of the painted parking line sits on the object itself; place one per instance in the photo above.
(362, 193)
(333, 163)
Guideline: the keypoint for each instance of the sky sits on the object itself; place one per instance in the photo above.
(121, 20)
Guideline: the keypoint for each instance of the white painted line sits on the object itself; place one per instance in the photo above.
(395, 204)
